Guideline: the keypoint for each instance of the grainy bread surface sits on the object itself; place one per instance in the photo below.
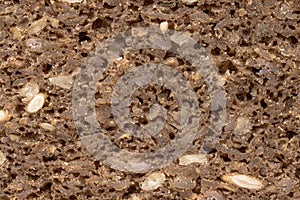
(255, 45)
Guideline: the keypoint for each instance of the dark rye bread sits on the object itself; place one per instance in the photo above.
(255, 45)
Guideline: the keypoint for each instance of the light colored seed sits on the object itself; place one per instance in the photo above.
(72, 1)
(38, 25)
(153, 181)
(164, 26)
(36, 103)
(30, 90)
(242, 12)
(189, 2)
(17, 33)
(182, 182)
(214, 195)
(4, 116)
(134, 197)
(35, 45)
(242, 126)
(62, 81)
(171, 61)
(2, 158)
(47, 126)
(15, 138)
(53, 22)
(192, 158)
(243, 181)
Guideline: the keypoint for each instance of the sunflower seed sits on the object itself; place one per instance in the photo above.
(36, 103)
(47, 126)
(193, 158)
(243, 181)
